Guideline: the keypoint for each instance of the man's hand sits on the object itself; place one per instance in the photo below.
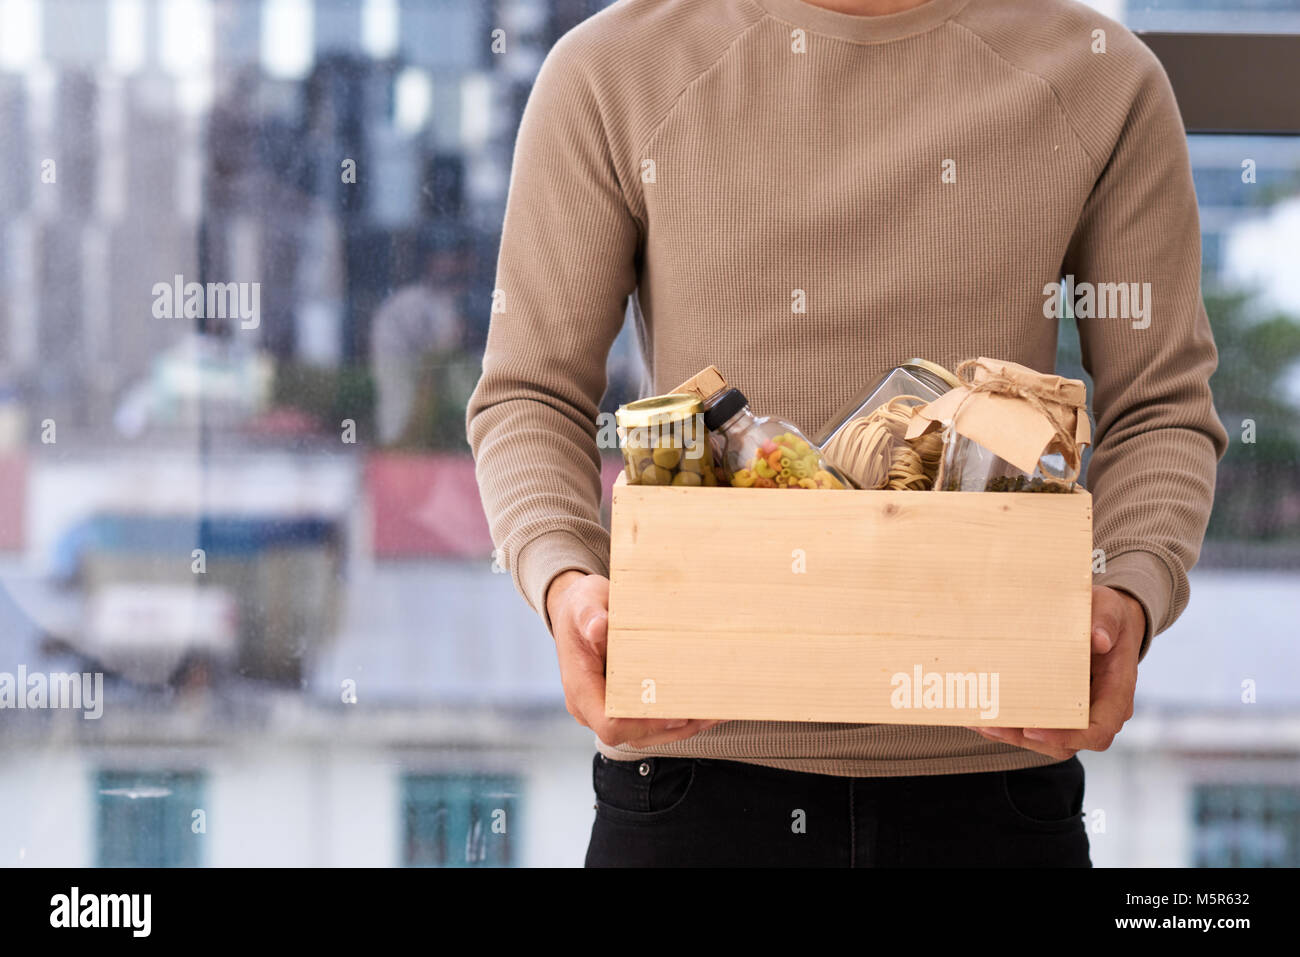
(1118, 626)
(578, 605)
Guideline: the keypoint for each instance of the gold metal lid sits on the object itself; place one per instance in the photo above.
(935, 370)
(658, 410)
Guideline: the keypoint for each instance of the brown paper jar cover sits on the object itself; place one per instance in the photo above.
(1007, 424)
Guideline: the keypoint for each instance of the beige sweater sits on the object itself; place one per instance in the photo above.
(922, 177)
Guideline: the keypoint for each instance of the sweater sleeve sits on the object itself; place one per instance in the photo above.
(1158, 438)
(565, 270)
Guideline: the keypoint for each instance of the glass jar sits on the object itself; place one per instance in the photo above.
(865, 441)
(1008, 428)
(916, 377)
(764, 451)
(967, 466)
(664, 442)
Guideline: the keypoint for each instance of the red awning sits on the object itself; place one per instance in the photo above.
(428, 506)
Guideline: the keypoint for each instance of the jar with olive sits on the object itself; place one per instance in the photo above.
(664, 442)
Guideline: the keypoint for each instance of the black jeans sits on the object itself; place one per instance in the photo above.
(688, 812)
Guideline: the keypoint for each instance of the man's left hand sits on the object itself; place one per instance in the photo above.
(1118, 627)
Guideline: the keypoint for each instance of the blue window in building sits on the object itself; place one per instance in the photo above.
(146, 818)
(460, 820)
(1248, 825)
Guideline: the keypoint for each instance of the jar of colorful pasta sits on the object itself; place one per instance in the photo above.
(766, 452)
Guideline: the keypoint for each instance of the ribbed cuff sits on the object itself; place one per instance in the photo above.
(1146, 577)
(546, 556)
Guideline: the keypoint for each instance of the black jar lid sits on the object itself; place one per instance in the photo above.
(732, 401)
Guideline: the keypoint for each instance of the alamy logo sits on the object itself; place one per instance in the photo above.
(949, 690)
(217, 300)
(102, 910)
(37, 690)
(1103, 300)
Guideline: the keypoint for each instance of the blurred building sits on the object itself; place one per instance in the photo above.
(334, 152)
(1207, 774)
(323, 158)
(386, 698)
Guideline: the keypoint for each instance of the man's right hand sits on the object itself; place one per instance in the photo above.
(578, 606)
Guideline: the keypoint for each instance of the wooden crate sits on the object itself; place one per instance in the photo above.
(827, 606)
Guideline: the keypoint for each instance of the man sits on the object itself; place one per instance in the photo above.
(919, 176)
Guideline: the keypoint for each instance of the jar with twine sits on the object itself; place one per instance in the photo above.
(1004, 426)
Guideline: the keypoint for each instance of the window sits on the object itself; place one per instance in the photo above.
(264, 507)
(1204, 16)
(1249, 190)
(1247, 826)
(148, 819)
(1232, 63)
(459, 821)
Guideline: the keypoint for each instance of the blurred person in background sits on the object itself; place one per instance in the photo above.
(412, 330)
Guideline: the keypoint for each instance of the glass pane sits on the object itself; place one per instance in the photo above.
(149, 819)
(1248, 189)
(460, 821)
(244, 247)
(1249, 192)
(245, 252)
(1204, 16)
(1228, 659)
(1247, 826)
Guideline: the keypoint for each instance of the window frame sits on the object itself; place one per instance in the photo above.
(1232, 83)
